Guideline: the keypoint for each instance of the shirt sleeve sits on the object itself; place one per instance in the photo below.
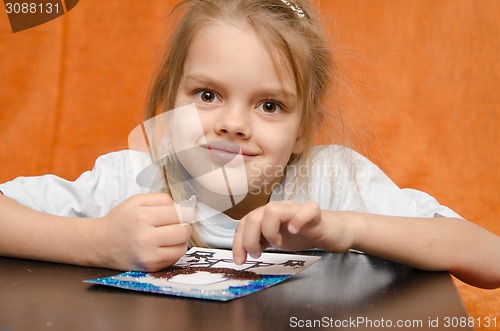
(93, 194)
(362, 186)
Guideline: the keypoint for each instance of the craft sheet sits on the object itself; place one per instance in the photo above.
(211, 274)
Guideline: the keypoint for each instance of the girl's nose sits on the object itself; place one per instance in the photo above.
(233, 122)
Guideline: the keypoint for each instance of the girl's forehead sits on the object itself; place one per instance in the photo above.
(233, 50)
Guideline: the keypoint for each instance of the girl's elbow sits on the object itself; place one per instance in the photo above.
(487, 280)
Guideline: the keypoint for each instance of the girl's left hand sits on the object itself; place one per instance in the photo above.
(290, 226)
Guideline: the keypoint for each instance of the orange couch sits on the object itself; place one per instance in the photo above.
(419, 85)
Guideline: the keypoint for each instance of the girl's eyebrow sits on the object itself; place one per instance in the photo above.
(278, 94)
(270, 93)
(200, 79)
(203, 81)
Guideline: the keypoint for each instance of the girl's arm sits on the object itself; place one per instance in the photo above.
(468, 251)
(142, 233)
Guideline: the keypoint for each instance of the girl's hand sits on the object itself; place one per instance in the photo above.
(142, 233)
(290, 226)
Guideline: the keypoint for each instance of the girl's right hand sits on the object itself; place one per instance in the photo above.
(143, 233)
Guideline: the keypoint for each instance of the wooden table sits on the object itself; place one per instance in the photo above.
(344, 291)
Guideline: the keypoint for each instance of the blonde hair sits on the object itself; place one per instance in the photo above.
(297, 40)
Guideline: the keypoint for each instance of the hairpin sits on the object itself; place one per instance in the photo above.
(296, 9)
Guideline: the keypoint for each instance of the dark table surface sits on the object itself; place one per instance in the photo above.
(344, 291)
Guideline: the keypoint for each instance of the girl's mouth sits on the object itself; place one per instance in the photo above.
(222, 152)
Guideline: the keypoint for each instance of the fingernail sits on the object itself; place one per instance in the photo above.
(292, 229)
(238, 260)
(255, 255)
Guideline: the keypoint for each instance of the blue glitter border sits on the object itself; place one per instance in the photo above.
(231, 293)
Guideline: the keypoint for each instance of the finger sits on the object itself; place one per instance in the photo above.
(163, 257)
(252, 234)
(247, 237)
(165, 215)
(308, 215)
(152, 199)
(171, 235)
(239, 253)
(158, 215)
(275, 215)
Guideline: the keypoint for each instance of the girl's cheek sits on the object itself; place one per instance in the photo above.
(207, 121)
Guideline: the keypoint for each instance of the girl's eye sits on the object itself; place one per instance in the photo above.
(270, 107)
(206, 96)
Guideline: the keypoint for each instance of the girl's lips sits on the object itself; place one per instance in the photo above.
(223, 152)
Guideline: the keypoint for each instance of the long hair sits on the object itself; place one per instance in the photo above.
(290, 38)
(299, 41)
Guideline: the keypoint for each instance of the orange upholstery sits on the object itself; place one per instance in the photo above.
(419, 81)
(426, 76)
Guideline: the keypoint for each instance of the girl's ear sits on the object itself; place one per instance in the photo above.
(299, 145)
(300, 141)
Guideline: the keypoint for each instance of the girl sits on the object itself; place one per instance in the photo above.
(253, 74)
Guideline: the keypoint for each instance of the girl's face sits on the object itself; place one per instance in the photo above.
(243, 105)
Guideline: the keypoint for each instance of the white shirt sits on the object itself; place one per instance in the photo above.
(337, 178)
